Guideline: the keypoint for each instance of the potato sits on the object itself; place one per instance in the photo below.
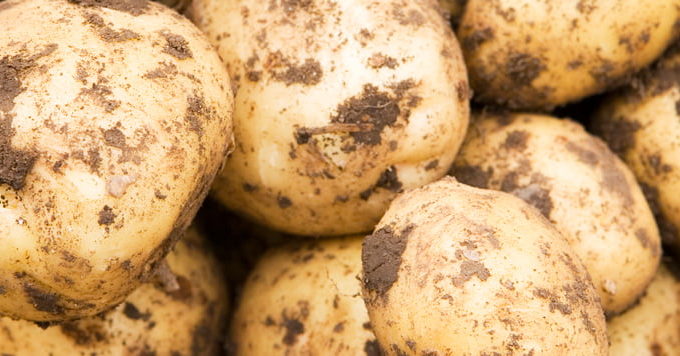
(455, 270)
(340, 105)
(114, 119)
(642, 125)
(453, 8)
(151, 321)
(533, 54)
(652, 327)
(579, 185)
(305, 299)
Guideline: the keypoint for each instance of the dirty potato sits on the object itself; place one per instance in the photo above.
(184, 319)
(579, 185)
(453, 8)
(455, 270)
(534, 54)
(642, 125)
(114, 118)
(652, 327)
(340, 106)
(305, 299)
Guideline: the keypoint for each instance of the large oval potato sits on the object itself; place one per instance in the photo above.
(652, 327)
(188, 320)
(642, 125)
(305, 299)
(114, 119)
(340, 105)
(579, 185)
(534, 54)
(455, 270)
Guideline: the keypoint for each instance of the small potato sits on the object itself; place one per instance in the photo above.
(340, 105)
(652, 327)
(305, 299)
(455, 270)
(114, 119)
(642, 125)
(535, 54)
(151, 321)
(579, 185)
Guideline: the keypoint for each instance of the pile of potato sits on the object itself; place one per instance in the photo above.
(393, 177)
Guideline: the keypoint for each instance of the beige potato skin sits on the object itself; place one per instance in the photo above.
(579, 185)
(652, 327)
(340, 105)
(188, 321)
(456, 270)
(642, 125)
(114, 119)
(305, 299)
(533, 54)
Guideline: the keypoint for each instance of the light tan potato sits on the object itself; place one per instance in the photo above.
(151, 321)
(305, 299)
(652, 327)
(534, 54)
(340, 105)
(642, 125)
(455, 270)
(579, 185)
(114, 118)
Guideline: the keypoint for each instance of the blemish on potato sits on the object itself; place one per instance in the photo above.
(43, 301)
(293, 328)
(176, 46)
(106, 216)
(668, 231)
(389, 180)
(381, 258)
(468, 269)
(619, 134)
(92, 335)
(134, 7)
(307, 73)
(523, 68)
(516, 140)
(372, 348)
(372, 107)
(284, 202)
(476, 38)
(472, 175)
(108, 34)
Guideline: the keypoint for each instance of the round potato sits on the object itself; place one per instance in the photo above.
(340, 105)
(652, 327)
(114, 119)
(185, 320)
(579, 185)
(642, 125)
(305, 299)
(455, 270)
(534, 54)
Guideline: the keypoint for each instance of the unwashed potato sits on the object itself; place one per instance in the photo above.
(114, 119)
(579, 185)
(455, 270)
(152, 320)
(642, 125)
(651, 328)
(535, 54)
(453, 8)
(305, 299)
(340, 105)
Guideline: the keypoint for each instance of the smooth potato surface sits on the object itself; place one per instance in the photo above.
(642, 125)
(114, 118)
(455, 270)
(535, 54)
(579, 185)
(340, 105)
(305, 299)
(188, 320)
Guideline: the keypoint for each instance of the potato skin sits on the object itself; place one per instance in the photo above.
(579, 185)
(114, 119)
(340, 105)
(151, 321)
(456, 270)
(305, 299)
(652, 327)
(534, 54)
(642, 125)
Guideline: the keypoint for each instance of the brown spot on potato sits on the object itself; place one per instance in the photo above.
(134, 7)
(83, 333)
(584, 155)
(372, 107)
(669, 233)
(114, 138)
(372, 348)
(100, 94)
(389, 180)
(536, 196)
(619, 133)
(523, 68)
(15, 164)
(468, 269)
(176, 46)
(291, 6)
(411, 345)
(284, 202)
(476, 38)
(434, 164)
(379, 60)
(472, 175)
(381, 258)
(164, 70)
(108, 34)
(131, 312)
(293, 328)
(201, 338)
(657, 165)
(339, 327)
(106, 216)
(196, 109)
(307, 73)
(42, 300)
(516, 140)
(614, 179)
